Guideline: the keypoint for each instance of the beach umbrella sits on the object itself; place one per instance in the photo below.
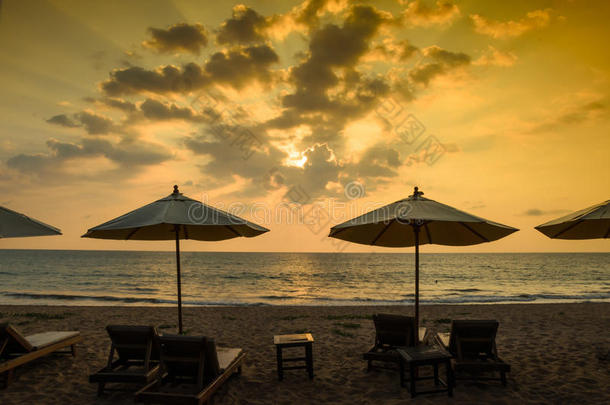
(16, 225)
(416, 221)
(590, 223)
(176, 217)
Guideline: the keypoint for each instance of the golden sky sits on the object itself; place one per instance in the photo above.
(500, 109)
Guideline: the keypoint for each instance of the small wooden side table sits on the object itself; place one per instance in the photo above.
(299, 340)
(418, 356)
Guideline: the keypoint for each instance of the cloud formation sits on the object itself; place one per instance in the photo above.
(240, 67)
(236, 68)
(578, 114)
(94, 124)
(495, 57)
(178, 38)
(128, 155)
(63, 120)
(157, 110)
(244, 27)
(307, 102)
(510, 29)
(441, 62)
(418, 13)
(119, 104)
(326, 81)
(536, 212)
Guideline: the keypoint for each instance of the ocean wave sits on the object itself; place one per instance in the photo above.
(76, 297)
(127, 300)
(144, 289)
(287, 299)
(465, 290)
(277, 297)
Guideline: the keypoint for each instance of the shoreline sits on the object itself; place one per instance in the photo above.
(142, 304)
(554, 351)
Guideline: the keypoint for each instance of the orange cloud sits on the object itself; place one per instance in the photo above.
(495, 57)
(418, 13)
(509, 29)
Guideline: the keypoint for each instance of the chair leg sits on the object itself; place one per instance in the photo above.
(4, 379)
(100, 389)
(503, 377)
(8, 377)
(73, 350)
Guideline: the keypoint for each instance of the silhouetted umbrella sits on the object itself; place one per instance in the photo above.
(16, 225)
(417, 221)
(176, 217)
(590, 223)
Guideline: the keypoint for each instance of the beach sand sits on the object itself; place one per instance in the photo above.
(558, 353)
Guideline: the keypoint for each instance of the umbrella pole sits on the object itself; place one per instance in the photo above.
(416, 231)
(178, 275)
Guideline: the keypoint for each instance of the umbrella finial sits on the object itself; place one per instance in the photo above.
(417, 193)
(176, 189)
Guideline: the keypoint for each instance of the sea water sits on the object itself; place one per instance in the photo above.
(73, 277)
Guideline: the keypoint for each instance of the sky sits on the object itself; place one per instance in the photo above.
(330, 108)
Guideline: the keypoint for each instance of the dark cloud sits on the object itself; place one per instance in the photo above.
(246, 26)
(178, 38)
(308, 15)
(95, 124)
(334, 52)
(165, 79)
(536, 212)
(236, 68)
(239, 67)
(442, 62)
(380, 160)
(119, 104)
(127, 154)
(156, 110)
(63, 120)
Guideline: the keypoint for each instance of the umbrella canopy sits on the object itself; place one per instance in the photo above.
(416, 221)
(590, 223)
(176, 217)
(16, 225)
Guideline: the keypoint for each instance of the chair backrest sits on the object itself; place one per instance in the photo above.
(134, 342)
(473, 337)
(211, 367)
(12, 341)
(183, 357)
(394, 330)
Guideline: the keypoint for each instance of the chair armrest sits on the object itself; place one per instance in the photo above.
(443, 339)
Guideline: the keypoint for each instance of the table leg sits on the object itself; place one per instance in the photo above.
(449, 378)
(280, 369)
(412, 373)
(309, 356)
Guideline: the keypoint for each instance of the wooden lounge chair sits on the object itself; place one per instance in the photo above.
(16, 349)
(137, 361)
(473, 345)
(192, 369)
(391, 331)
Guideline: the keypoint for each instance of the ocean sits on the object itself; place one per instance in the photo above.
(74, 277)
